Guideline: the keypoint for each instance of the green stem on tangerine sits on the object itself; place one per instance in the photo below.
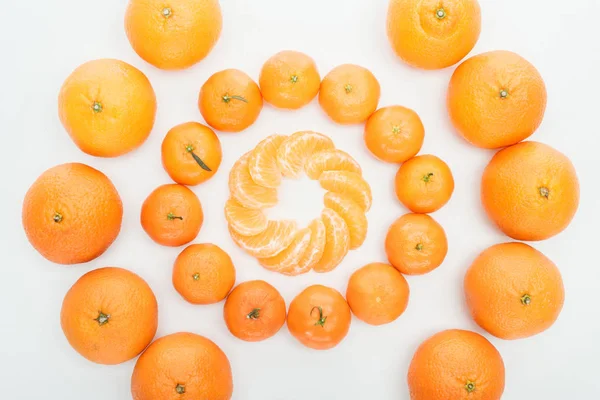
(171, 217)
(470, 386)
(166, 12)
(180, 389)
(294, 78)
(526, 299)
(322, 319)
(102, 318)
(440, 13)
(348, 88)
(419, 247)
(227, 98)
(57, 217)
(97, 107)
(503, 94)
(196, 276)
(544, 192)
(254, 314)
(190, 149)
(427, 178)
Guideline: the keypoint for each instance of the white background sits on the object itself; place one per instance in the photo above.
(43, 41)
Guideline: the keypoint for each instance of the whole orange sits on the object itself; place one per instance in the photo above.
(289, 79)
(203, 274)
(394, 134)
(191, 153)
(377, 293)
(109, 315)
(496, 99)
(172, 215)
(230, 101)
(319, 317)
(456, 364)
(530, 190)
(107, 107)
(182, 366)
(416, 244)
(424, 184)
(514, 291)
(173, 34)
(72, 213)
(433, 34)
(254, 311)
(349, 94)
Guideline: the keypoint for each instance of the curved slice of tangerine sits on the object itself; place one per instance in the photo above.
(349, 184)
(353, 215)
(289, 257)
(337, 241)
(246, 191)
(262, 163)
(296, 149)
(313, 252)
(330, 160)
(245, 221)
(270, 242)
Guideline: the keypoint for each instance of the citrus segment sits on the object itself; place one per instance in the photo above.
(353, 215)
(245, 221)
(313, 252)
(246, 191)
(349, 184)
(270, 242)
(296, 149)
(262, 163)
(289, 257)
(330, 160)
(337, 241)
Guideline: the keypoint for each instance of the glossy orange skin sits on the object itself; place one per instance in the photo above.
(349, 94)
(456, 364)
(530, 191)
(303, 317)
(513, 291)
(186, 215)
(177, 148)
(130, 311)
(182, 366)
(394, 134)
(72, 213)
(422, 39)
(177, 40)
(416, 244)
(254, 311)
(479, 112)
(231, 115)
(203, 274)
(377, 293)
(424, 184)
(290, 80)
(125, 107)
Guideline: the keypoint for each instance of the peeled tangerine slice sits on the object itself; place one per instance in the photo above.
(353, 215)
(349, 184)
(296, 149)
(270, 242)
(262, 163)
(245, 221)
(313, 252)
(337, 241)
(330, 160)
(289, 257)
(246, 191)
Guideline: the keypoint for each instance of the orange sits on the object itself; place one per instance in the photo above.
(172, 215)
(514, 291)
(294, 152)
(288, 258)
(496, 99)
(530, 190)
(270, 242)
(245, 221)
(416, 244)
(433, 34)
(456, 364)
(109, 315)
(424, 184)
(319, 317)
(262, 162)
(230, 101)
(349, 184)
(394, 134)
(254, 311)
(330, 160)
(203, 274)
(337, 241)
(182, 366)
(289, 79)
(173, 34)
(349, 94)
(191, 153)
(64, 222)
(377, 293)
(107, 107)
(247, 192)
(352, 214)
